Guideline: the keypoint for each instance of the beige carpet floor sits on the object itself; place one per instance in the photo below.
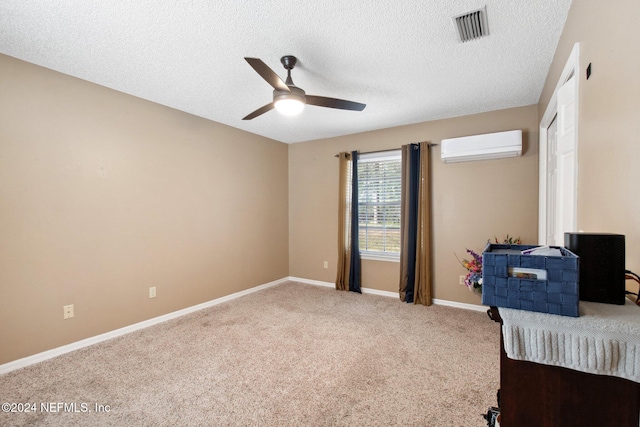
(290, 355)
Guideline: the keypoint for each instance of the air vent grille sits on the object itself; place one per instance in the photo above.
(472, 25)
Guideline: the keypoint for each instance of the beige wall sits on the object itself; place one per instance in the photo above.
(103, 195)
(609, 116)
(472, 202)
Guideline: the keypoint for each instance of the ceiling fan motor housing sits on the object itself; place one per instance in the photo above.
(295, 93)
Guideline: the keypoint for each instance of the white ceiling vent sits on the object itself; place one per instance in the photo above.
(472, 25)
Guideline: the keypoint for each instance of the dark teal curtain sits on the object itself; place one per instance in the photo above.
(412, 216)
(354, 268)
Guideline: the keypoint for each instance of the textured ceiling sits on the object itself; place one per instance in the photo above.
(402, 58)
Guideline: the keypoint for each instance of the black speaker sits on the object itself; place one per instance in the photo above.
(602, 265)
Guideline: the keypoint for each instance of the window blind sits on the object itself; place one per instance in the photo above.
(379, 193)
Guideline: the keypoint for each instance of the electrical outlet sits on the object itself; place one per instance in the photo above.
(152, 292)
(67, 311)
(326, 264)
(461, 280)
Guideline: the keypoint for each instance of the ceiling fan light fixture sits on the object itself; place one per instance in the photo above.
(289, 105)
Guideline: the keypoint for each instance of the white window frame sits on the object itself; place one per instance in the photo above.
(370, 157)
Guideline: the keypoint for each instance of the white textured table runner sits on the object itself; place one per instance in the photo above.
(604, 340)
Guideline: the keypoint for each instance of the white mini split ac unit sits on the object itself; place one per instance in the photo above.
(482, 147)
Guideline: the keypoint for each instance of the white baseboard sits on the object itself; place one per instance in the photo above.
(463, 305)
(50, 354)
(311, 282)
(393, 294)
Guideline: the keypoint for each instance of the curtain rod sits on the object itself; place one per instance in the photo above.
(391, 149)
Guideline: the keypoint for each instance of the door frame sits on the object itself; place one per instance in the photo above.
(571, 68)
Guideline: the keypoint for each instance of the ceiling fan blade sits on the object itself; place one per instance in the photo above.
(259, 111)
(268, 74)
(322, 101)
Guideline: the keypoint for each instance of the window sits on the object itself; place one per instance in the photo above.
(379, 192)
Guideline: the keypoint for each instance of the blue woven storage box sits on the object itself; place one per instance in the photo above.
(558, 293)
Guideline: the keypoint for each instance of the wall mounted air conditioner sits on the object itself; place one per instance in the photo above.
(482, 147)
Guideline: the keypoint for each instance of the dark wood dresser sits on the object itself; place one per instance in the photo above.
(538, 395)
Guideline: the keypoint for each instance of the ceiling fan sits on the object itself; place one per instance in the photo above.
(287, 97)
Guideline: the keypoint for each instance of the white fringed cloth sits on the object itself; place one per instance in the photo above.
(604, 340)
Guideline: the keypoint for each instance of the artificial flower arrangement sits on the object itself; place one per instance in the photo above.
(473, 279)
